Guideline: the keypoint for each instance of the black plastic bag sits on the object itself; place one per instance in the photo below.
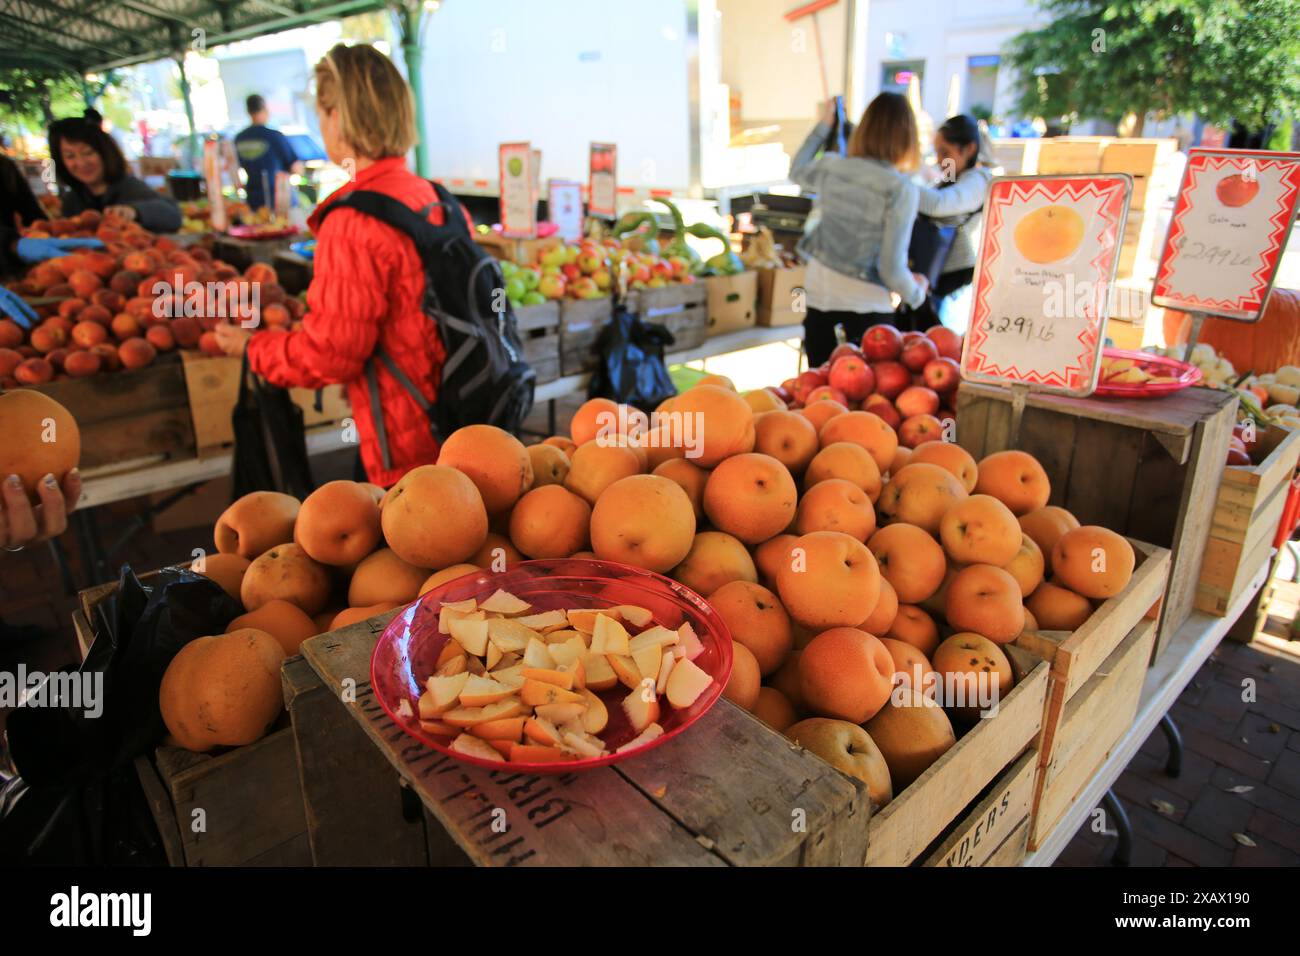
(631, 368)
(77, 793)
(270, 440)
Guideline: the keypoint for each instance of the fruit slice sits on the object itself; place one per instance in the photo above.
(636, 616)
(597, 715)
(650, 733)
(641, 707)
(547, 620)
(456, 665)
(503, 602)
(571, 650)
(448, 614)
(548, 676)
(657, 636)
(512, 677)
(560, 714)
(449, 650)
(508, 728)
(464, 716)
(469, 604)
(494, 654)
(583, 618)
(502, 747)
(609, 637)
(536, 655)
(532, 753)
(542, 731)
(537, 694)
(665, 671)
(582, 746)
(689, 645)
(600, 676)
(481, 691)
(562, 635)
(443, 693)
(438, 728)
(470, 634)
(686, 683)
(404, 708)
(509, 635)
(647, 660)
(474, 747)
(625, 669)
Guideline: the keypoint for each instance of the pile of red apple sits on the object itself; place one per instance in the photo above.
(909, 379)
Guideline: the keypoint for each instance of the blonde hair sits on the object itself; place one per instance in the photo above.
(376, 110)
(887, 131)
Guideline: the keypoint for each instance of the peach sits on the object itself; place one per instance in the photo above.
(788, 681)
(951, 456)
(751, 497)
(915, 627)
(1046, 525)
(912, 732)
(338, 524)
(714, 559)
(595, 466)
(850, 750)
(594, 415)
(774, 709)
(882, 618)
(920, 494)
(87, 334)
(286, 572)
(985, 599)
(690, 477)
(865, 429)
(1093, 561)
(550, 522)
(911, 667)
(643, 520)
(564, 443)
(439, 578)
(434, 517)
(770, 554)
(227, 570)
(1055, 608)
(788, 437)
(136, 353)
(1027, 566)
(717, 421)
(495, 460)
(974, 670)
(911, 560)
(819, 413)
(496, 553)
(255, 523)
(757, 620)
(80, 364)
(1016, 479)
(125, 326)
(355, 615)
(902, 455)
(980, 529)
(161, 337)
(763, 400)
(836, 505)
(550, 465)
(848, 461)
(744, 683)
(384, 578)
(718, 381)
(831, 580)
(284, 621)
(33, 371)
(846, 674)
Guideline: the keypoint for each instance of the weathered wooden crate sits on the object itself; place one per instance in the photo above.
(138, 413)
(238, 807)
(521, 251)
(581, 322)
(995, 830)
(733, 302)
(1017, 157)
(539, 328)
(681, 309)
(724, 794)
(1149, 469)
(1071, 154)
(1138, 157)
(211, 386)
(777, 291)
(1090, 724)
(1246, 516)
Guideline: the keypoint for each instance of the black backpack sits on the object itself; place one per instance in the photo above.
(485, 379)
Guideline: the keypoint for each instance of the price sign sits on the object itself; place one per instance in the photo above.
(518, 199)
(1042, 287)
(564, 200)
(602, 189)
(1229, 227)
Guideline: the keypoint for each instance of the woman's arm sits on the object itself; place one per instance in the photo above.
(899, 218)
(805, 168)
(965, 196)
(71, 202)
(346, 301)
(154, 212)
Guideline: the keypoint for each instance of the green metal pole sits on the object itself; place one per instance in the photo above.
(191, 145)
(411, 18)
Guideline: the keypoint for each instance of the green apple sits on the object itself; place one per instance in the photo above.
(515, 166)
(533, 297)
(530, 278)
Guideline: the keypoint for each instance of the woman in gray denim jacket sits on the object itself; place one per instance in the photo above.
(857, 252)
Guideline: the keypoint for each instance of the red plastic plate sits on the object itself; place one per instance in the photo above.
(257, 232)
(409, 647)
(1188, 375)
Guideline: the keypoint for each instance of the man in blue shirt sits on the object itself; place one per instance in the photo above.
(263, 152)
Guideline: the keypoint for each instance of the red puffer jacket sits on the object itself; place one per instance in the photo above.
(368, 288)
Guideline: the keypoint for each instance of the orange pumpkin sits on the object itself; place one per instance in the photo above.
(1259, 347)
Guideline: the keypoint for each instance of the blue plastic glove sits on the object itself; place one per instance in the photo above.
(12, 305)
(38, 250)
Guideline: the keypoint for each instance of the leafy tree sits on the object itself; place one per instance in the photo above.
(1102, 59)
(32, 98)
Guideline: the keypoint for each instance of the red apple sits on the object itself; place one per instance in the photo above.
(946, 341)
(919, 429)
(910, 337)
(948, 422)
(1236, 190)
(882, 343)
(918, 353)
(852, 376)
(783, 393)
(891, 379)
(943, 375)
(916, 401)
(884, 409)
(843, 349)
(824, 392)
(805, 383)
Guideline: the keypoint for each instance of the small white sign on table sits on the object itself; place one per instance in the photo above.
(1229, 227)
(564, 205)
(1046, 268)
(518, 191)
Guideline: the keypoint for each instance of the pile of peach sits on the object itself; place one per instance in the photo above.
(108, 317)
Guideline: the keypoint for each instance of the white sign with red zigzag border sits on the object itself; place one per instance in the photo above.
(1230, 225)
(1042, 287)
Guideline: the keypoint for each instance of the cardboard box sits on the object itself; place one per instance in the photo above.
(733, 302)
(777, 296)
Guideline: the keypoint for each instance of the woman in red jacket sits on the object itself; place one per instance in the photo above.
(369, 281)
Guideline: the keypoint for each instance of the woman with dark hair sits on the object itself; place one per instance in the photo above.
(965, 156)
(92, 174)
(857, 252)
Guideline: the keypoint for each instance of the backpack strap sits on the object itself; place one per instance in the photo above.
(376, 412)
(453, 217)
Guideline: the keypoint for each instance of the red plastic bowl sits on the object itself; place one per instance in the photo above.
(1188, 375)
(409, 647)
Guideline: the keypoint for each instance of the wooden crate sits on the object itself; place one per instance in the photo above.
(1071, 154)
(733, 302)
(581, 322)
(1138, 157)
(679, 308)
(521, 251)
(1089, 726)
(777, 292)
(539, 328)
(947, 797)
(238, 807)
(1246, 516)
(1145, 468)
(1017, 157)
(129, 414)
(212, 389)
(995, 831)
